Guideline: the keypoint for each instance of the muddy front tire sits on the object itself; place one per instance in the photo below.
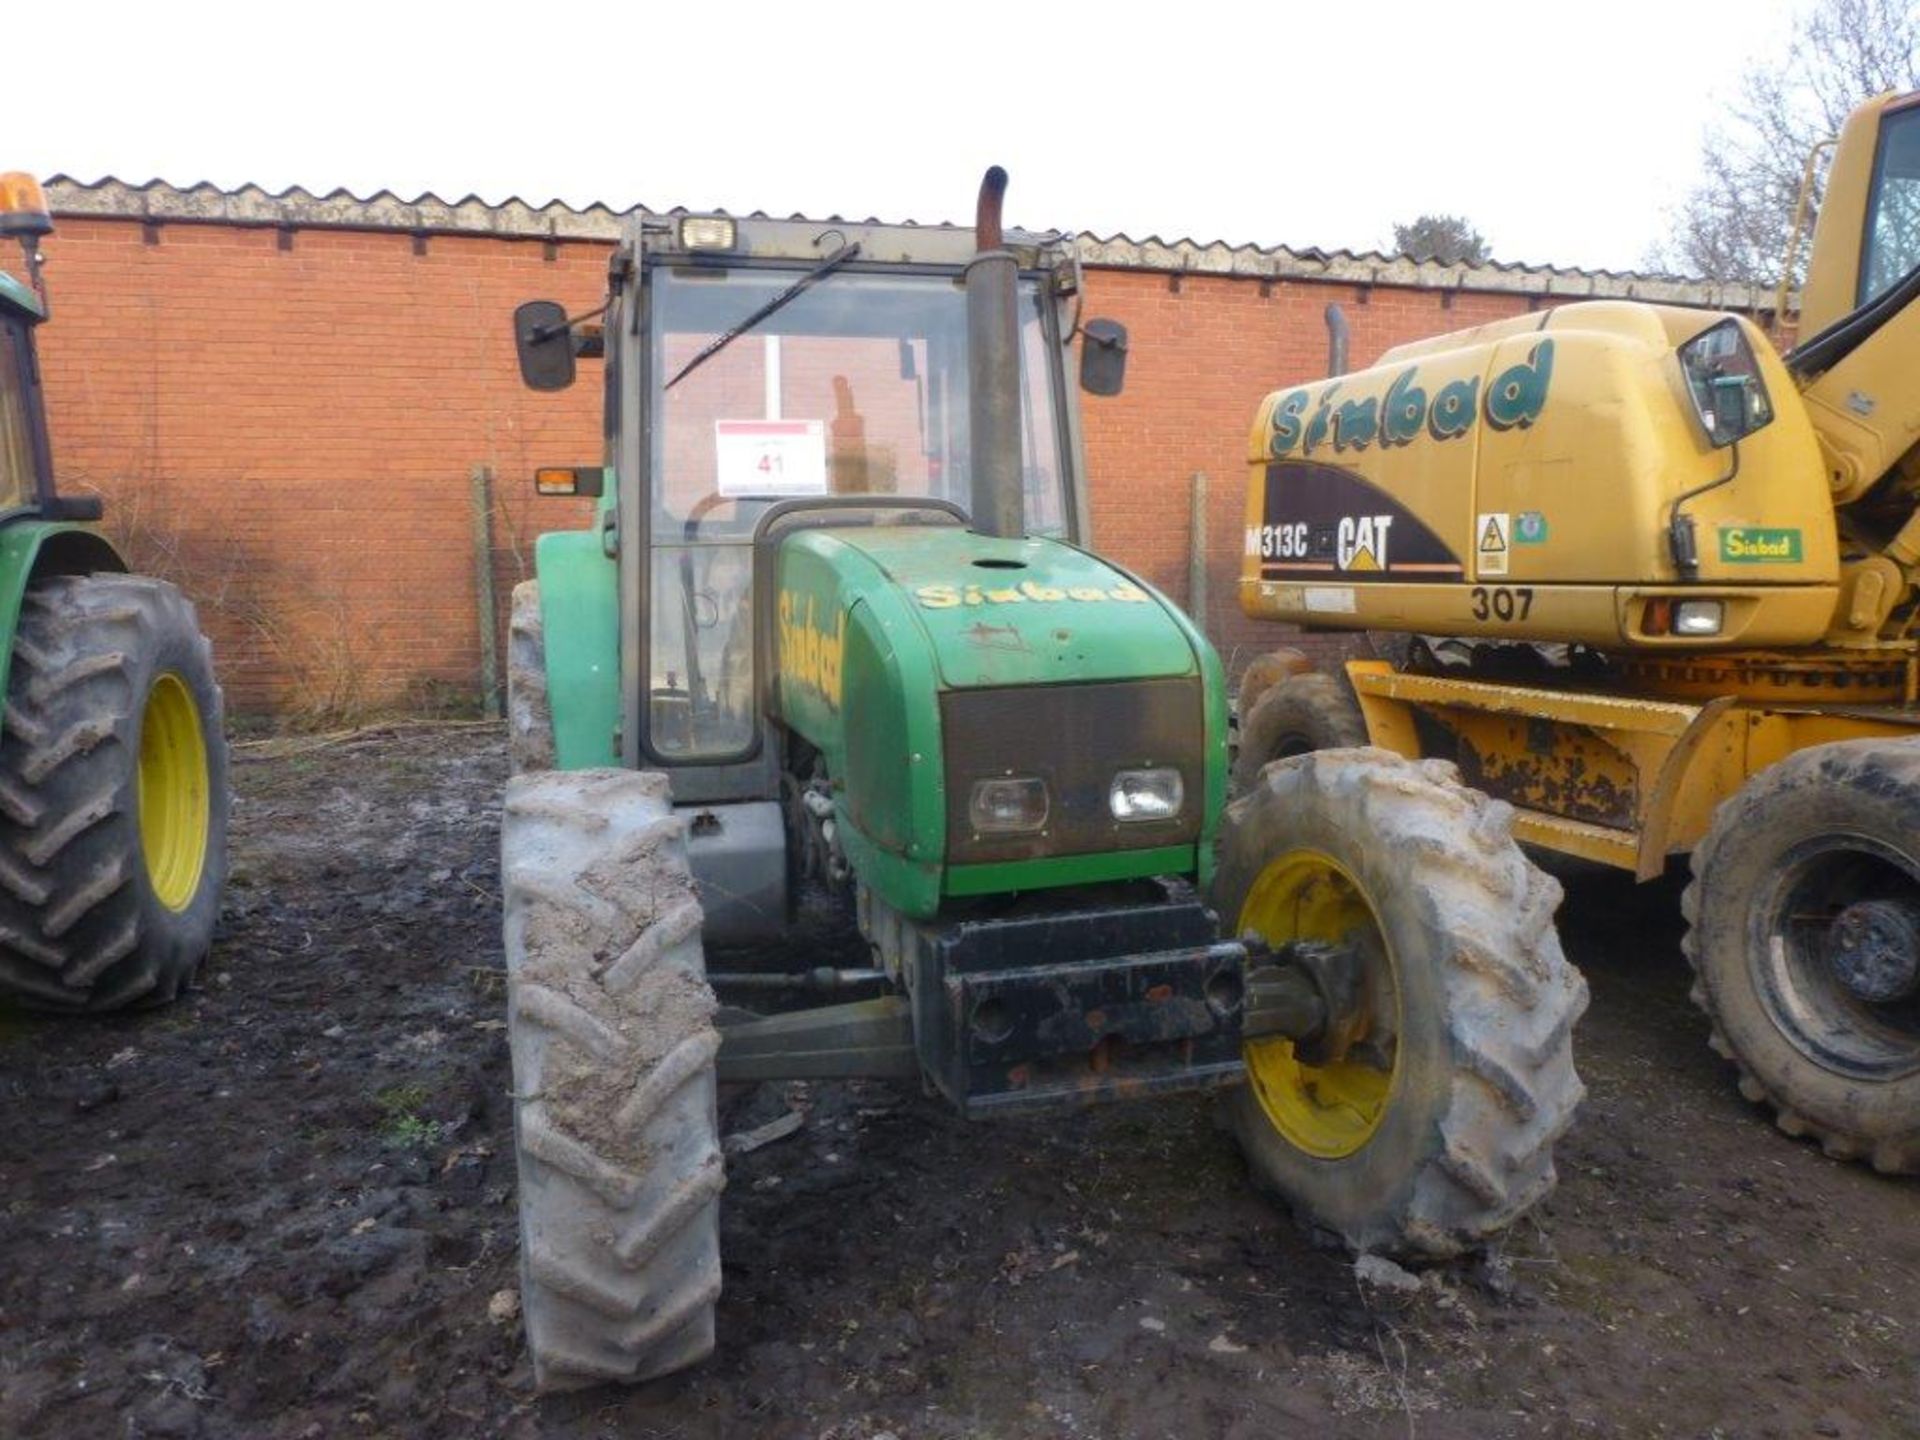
(113, 796)
(1301, 713)
(1803, 925)
(610, 1022)
(529, 710)
(1434, 1128)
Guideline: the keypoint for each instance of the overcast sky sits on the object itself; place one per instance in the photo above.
(1562, 130)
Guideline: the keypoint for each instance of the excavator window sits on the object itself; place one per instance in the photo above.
(1892, 242)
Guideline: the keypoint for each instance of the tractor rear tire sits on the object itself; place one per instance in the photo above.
(1429, 1151)
(616, 1132)
(1301, 713)
(529, 710)
(113, 796)
(1804, 841)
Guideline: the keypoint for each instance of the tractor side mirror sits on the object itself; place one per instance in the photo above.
(1103, 357)
(545, 345)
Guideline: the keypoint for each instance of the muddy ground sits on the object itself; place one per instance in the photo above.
(285, 1208)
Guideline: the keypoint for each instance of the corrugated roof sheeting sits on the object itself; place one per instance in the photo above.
(517, 219)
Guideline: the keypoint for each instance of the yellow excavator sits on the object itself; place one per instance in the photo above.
(1653, 584)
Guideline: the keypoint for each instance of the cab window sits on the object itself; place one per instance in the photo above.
(17, 485)
(856, 387)
(1892, 241)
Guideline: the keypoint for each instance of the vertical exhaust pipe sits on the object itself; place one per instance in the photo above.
(1337, 336)
(993, 371)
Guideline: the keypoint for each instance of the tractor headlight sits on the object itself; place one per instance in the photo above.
(1008, 805)
(1146, 794)
(1698, 617)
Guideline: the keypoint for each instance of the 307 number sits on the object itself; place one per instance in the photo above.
(1501, 603)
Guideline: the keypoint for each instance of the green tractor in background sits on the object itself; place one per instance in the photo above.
(834, 627)
(113, 762)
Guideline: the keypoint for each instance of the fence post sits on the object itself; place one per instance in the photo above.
(480, 483)
(1197, 553)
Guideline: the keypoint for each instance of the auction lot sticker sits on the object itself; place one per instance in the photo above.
(771, 457)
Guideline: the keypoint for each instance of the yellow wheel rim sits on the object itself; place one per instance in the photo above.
(1328, 1111)
(175, 814)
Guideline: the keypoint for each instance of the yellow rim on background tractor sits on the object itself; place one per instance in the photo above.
(175, 813)
(1327, 1111)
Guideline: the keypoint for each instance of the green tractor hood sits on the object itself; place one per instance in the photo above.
(1025, 612)
(882, 631)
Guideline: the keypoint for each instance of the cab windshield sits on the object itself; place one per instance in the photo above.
(858, 386)
(1893, 213)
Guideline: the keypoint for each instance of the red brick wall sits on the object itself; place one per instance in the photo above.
(289, 432)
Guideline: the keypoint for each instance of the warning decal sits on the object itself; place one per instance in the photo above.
(1493, 532)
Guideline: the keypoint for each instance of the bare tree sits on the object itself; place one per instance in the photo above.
(1446, 238)
(1736, 222)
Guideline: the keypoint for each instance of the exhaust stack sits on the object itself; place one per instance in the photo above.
(1337, 337)
(993, 371)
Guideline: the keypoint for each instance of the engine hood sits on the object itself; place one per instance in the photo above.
(1029, 611)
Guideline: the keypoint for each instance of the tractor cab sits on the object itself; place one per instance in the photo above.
(766, 375)
(26, 466)
(855, 386)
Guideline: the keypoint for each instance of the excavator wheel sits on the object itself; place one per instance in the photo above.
(113, 796)
(1433, 1126)
(616, 1130)
(1303, 712)
(1804, 934)
(1263, 672)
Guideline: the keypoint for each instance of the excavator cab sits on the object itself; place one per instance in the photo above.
(1892, 240)
(1868, 236)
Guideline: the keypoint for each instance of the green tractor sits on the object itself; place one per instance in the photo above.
(113, 762)
(835, 628)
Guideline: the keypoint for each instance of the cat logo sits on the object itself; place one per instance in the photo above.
(1360, 543)
(1493, 529)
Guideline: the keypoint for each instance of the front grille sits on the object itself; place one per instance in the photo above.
(1074, 737)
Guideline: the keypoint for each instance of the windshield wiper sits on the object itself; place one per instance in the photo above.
(793, 292)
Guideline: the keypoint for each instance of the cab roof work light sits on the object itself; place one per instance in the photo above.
(23, 205)
(706, 232)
